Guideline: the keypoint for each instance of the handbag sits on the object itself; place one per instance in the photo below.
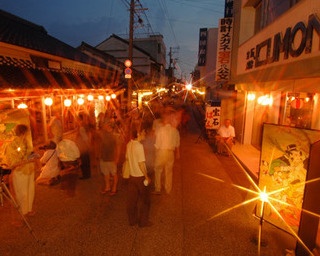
(126, 169)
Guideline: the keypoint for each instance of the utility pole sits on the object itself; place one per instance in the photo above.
(170, 73)
(134, 9)
(130, 50)
(171, 65)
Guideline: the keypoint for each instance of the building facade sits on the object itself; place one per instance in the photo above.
(275, 65)
(207, 62)
(148, 57)
(44, 75)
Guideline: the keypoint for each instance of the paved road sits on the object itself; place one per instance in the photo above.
(89, 223)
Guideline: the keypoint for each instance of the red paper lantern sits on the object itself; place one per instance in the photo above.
(297, 103)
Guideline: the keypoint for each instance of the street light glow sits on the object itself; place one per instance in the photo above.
(264, 197)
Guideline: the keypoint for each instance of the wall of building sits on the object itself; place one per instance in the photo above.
(263, 69)
(207, 71)
(155, 46)
(257, 53)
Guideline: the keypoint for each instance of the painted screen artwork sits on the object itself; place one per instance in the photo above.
(283, 171)
(8, 121)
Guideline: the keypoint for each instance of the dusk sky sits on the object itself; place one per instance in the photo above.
(93, 21)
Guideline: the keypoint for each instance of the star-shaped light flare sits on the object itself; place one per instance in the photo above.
(263, 197)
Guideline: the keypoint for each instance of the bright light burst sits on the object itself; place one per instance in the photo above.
(263, 197)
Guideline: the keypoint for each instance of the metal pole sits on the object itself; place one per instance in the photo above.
(260, 227)
(130, 50)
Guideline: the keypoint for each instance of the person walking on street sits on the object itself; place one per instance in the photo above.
(138, 200)
(167, 148)
(109, 157)
(83, 143)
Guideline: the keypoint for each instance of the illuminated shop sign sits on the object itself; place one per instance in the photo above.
(225, 34)
(295, 41)
(213, 117)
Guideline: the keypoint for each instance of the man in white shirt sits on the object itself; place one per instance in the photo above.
(167, 146)
(138, 200)
(225, 136)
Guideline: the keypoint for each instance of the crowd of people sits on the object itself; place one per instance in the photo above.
(150, 142)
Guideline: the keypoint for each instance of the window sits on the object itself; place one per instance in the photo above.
(267, 11)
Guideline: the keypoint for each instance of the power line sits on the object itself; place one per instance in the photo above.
(201, 5)
(141, 20)
(165, 12)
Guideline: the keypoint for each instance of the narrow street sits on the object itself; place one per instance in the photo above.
(89, 223)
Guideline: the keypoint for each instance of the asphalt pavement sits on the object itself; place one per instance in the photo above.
(205, 214)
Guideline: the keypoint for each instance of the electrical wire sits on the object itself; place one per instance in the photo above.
(166, 14)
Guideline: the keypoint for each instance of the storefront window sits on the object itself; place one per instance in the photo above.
(298, 110)
(269, 10)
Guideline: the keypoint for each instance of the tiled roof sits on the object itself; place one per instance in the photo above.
(17, 31)
(33, 71)
(5, 60)
(127, 42)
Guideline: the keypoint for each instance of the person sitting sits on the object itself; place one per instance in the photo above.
(50, 170)
(68, 154)
(225, 137)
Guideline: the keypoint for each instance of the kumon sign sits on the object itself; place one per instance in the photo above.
(294, 42)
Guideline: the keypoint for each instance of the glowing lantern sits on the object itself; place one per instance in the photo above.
(251, 96)
(265, 100)
(90, 97)
(297, 103)
(113, 96)
(67, 102)
(80, 101)
(48, 101)
(108, 98)
(22, 106)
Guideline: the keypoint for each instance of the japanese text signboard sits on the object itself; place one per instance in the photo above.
(202, 55)
(224, 50)
(213, 117)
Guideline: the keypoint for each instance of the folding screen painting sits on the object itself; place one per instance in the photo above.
(284, 166)
(8, 121)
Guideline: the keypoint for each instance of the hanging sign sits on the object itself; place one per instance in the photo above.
(127, 72)
(224, 49)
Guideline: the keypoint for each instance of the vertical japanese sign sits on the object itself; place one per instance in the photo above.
(228, 9)
(202, 55)
(224, 50)
(213, 117)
